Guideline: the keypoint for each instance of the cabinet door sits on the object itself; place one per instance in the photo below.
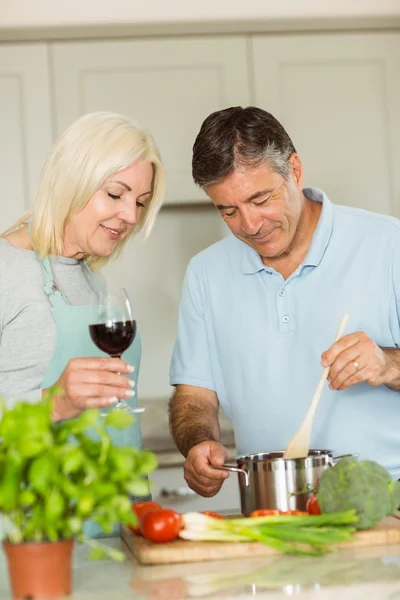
(25, 125)
(169, 86)
(338, 96)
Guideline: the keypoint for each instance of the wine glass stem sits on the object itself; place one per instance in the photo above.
(116, 356)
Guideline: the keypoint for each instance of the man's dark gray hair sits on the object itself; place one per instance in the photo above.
(236, 138)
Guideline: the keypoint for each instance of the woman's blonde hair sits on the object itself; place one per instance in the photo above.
(91, 150)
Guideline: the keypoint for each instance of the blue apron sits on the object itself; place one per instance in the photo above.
(74, 341)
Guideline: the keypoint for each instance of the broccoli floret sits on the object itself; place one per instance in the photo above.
(364, 486)
(394, 487)
(378, 470)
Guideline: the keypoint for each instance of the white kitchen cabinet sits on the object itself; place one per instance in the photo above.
(338, 96)
(168, 85)
(171, 491)
(25, 125)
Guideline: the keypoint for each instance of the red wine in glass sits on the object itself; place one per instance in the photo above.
(113, 337)
(113, 329)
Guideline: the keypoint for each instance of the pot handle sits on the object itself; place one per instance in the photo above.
(234, 470)
(336, 458)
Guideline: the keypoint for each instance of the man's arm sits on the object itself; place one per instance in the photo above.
(392, 376)
(193, 417)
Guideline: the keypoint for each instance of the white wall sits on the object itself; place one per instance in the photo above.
(42, 13)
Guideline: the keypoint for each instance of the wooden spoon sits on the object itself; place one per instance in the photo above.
(299, 445)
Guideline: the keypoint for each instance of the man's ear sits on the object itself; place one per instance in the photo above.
(296, 170)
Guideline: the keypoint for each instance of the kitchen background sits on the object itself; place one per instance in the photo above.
(329, 71)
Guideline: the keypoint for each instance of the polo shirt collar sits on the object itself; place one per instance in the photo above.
(323, 231)
(251, 261)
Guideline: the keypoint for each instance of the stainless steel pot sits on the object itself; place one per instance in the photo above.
(271, 481)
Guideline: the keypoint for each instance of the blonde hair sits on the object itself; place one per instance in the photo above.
(91, 150)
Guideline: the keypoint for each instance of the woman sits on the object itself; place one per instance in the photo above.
(102, 182)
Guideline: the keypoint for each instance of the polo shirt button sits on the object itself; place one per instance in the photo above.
(285, 319)
(282, 293)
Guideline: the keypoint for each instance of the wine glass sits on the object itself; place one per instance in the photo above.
(113, 329)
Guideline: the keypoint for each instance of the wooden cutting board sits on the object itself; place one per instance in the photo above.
(182, 551)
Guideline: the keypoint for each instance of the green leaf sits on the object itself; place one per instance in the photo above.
(69, 488)
(121, 504)
(8, 428)
(55, 505)
(97, 553)
(100, 552)
(91, 447)
(147, 462)
(34, 529)
(105, 489)
(91, 471)
(88, 418)
(116, 555)
(9, 487)
(394, 490)
(119, 418)
(32, 447)
(51, 532)
(106, 522)
(123, 463)
(85, 504)
(73, 461)
(36, 424)
(15, 457)
(137, 487)
(42, 472)
(128, 518)
(26, 498)
(75, 525)
(50, 393)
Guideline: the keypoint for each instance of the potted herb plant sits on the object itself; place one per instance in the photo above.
(54, 477)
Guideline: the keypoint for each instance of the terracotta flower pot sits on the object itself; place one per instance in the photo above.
(42, 570)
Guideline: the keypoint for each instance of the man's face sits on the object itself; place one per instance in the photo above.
(260, 207)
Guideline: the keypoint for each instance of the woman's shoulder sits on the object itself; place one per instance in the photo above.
(19, 238)
(7, 250)
(14, 257)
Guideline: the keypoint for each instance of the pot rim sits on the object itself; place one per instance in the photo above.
(268, 457)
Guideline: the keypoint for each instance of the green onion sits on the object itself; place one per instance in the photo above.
(310, 535)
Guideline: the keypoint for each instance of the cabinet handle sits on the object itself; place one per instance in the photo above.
(181, 492)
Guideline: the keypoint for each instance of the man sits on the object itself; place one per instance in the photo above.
(260, 310)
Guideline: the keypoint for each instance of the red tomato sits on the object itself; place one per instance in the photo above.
(299, 513)
(160, 525)
(140, 508)
(211, 514)
(269, 512)
(313, 506)
(265, 512)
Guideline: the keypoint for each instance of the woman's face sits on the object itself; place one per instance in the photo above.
(111, 213)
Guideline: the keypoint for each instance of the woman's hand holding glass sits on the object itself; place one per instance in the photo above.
(91, 383)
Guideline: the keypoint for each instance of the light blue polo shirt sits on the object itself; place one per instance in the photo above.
(256, 339)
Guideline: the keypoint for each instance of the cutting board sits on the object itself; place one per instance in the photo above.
(182, 551)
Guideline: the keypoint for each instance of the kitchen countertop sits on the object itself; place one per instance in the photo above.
(351, 575)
